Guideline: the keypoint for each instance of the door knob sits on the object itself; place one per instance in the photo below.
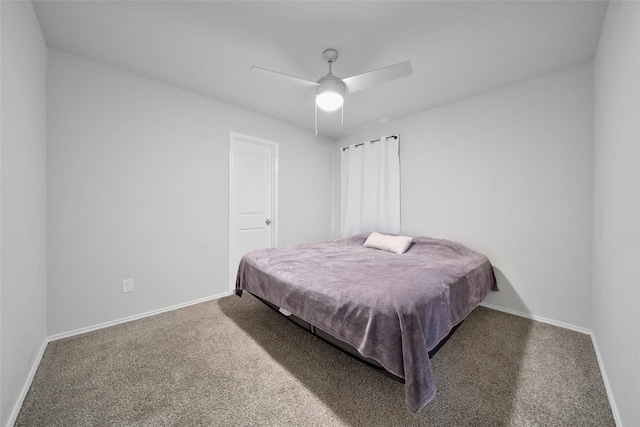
(268, 221)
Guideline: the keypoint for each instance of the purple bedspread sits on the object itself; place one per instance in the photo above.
(392, 308)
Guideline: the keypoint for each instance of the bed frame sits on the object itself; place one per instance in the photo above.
(347, 348)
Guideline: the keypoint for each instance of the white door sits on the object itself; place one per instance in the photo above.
(253, 167)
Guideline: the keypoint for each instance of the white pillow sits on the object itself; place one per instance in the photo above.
(395, 244)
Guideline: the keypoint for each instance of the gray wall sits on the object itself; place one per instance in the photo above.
(509, 174)
(138, 188)
(23, 292)
(616, 273)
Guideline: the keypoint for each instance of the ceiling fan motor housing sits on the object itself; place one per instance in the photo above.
(331, 82)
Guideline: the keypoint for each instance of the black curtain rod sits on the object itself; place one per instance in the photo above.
(370, 142)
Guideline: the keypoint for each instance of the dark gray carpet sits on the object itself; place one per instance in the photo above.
(234, 361)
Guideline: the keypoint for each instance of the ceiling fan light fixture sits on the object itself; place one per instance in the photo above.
(330, 93)
(329, 100)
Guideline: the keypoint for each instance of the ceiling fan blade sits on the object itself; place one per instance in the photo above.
(375, 77)
(284, 77)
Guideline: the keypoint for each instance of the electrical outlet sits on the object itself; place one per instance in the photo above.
(127, 285)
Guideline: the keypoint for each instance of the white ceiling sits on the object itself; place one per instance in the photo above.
(457, 49)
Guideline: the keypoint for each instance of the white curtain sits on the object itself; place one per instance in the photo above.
(371, 187)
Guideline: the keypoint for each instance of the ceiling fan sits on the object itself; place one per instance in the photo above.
(331, 90)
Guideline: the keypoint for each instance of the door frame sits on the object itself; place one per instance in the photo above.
(238, 138)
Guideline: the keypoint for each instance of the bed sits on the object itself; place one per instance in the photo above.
(393, 309)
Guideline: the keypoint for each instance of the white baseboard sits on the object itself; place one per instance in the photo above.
(603, 372)
(134, 317)
(27, 384)
(539, 319)
(607, 386)
(23, 394)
